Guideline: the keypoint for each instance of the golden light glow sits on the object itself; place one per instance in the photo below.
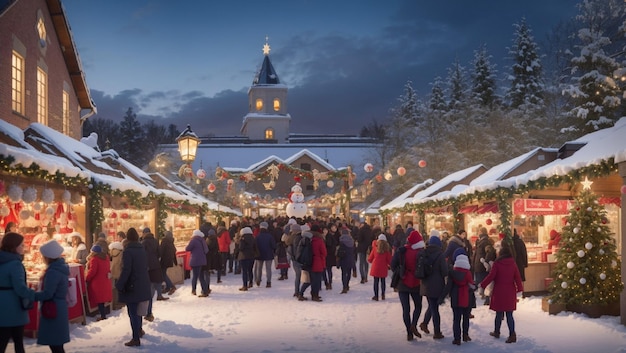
(259, 104)
(276, 104)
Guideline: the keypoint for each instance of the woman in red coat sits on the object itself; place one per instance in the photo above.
(380, 258)
(99, 287)
(318, 266)
(507, 283)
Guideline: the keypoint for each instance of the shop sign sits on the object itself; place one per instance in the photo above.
(541, 207)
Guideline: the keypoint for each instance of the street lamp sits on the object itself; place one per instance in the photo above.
(188, 143)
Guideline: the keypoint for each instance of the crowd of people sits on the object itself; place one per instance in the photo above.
(253, 249)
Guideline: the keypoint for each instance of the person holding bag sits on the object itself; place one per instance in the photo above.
(54, 327)
(15, 295)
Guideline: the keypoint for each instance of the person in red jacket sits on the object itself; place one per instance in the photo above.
(380, 258)
(223, 241)
(460, 286)
(319, 262)
(99, 287)
(507, 283)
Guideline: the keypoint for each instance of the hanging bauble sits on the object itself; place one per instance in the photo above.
(604, 220)
(623, 189)
(379, 178)
(66, 197)
(201, 173)
(401, 171)
(366, 182)
(576, 230)
(613, 263)
(588, 245)
(582, 280)
(49, 211)
(601, 251)
(4, 211)
(15, 193)
(37, 206)
(47, 196)
(571, 239)
(76, 199)
(230, 182)
(570, 265)
(421, 163)
(563, 285)
(603, 276)
(368, 167)
(24, 215)
(563, 221)
(388, 175)
(598, 229)
(589, 209)
(488, 221)
(124, 215)
(330, 184)
(29, 195)
(113, 215)
(211, 187)
(580, 253)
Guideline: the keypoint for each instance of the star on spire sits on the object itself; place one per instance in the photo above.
(266, 47)
(586, 184)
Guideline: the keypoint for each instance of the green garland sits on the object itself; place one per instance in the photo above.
(35, 171)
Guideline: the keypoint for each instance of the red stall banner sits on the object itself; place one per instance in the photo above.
(537, 207)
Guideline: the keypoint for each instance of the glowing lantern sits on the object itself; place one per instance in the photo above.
(388, 175)
(401, 171)
(421, 163)
(201, 173)
(211, 187)
(368, 167)
(330, 184)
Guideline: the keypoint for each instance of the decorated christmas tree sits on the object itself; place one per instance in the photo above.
(587, 269)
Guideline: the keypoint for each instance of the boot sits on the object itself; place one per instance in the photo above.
(438, 335)
(258, 283)
(415, 332)
(162, 298)
(424, 327)
(354, 273)
(494, 334)
(316, 298)
(330, 286)
(244, 289)
(457, 342)
(382, 297)
(512, 338)
(132, 343)
(281, 278)
(172, 290)
(375, 298)
(302, 298)
(344, 290)
(409, 336)
(268, 285)
(466, 338)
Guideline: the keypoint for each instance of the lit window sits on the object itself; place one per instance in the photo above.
(66, 113)
(269, 134)
(41, 31)
(276, 104)
(259, 104)
(42, 97)
(17, 83)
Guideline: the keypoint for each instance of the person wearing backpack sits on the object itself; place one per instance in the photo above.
(304, 256)
(292, 241)
(409, 286)
(380, 258)
(345, 258)
(433, 284)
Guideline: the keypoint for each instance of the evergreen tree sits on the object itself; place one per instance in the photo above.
(457, 86)
(131, 140)
(587, 269)
(484, 79)
(526, 72)
(401, 128)
(107, 130)
(595, 92)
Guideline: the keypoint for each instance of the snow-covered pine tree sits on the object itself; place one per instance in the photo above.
(130, 138)
(587, 269)
(526, 72)
(596, 94)
(484, 79)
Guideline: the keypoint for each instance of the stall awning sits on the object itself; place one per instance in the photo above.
(488, 207)
(468, 209)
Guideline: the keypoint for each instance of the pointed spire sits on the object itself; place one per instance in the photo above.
(266, 47)
(266, 74)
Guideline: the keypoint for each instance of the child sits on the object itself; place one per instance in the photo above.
(380, 258)
(461, 287)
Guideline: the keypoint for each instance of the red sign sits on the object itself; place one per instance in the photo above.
(541, 207)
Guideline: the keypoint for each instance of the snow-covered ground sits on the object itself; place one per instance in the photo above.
(271, 320)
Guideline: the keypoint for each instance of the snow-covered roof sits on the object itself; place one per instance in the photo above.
(456, 177)
(406, 196)
(373, 208)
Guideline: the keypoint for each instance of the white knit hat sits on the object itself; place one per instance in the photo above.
(116, 245)
(197, 233)
(462, 261)
(382, 237)
(246, 230)
(51, 249)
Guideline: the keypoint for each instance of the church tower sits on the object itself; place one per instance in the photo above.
(267, 119)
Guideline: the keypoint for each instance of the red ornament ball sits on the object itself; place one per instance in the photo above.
(623, 189)
(422, 163)
(401, 171)
(211, 187)
(379, 178)
(488, 221)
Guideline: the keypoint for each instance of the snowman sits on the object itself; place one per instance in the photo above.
(296, 206)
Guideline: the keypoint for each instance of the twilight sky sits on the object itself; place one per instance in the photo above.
(345, 62)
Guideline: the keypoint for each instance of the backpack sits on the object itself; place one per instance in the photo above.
(304, 252)
(424, 266)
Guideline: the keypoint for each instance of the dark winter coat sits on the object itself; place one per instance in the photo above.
(506, 283)
(399, 238)
(364, 238)
(213, 257)
(198, 249)
(12, 289)
(521, 256)
(151, 245)
(454, 243)
(433, 285)
(167, 252)
(247, 247)
(332, 240)
(55, 332)
(409, 282)
(99, 286)
(460, 287)
(266, 244)
(319, 253)
(484, 250)
(134, 283)
(347, 261)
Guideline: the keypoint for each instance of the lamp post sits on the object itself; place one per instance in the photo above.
(188, 143)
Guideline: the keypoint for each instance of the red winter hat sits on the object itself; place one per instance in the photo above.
(554, 233)
(501, 236)
(415, 239)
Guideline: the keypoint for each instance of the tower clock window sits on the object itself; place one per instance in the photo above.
(276, 104)
(259, 104)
